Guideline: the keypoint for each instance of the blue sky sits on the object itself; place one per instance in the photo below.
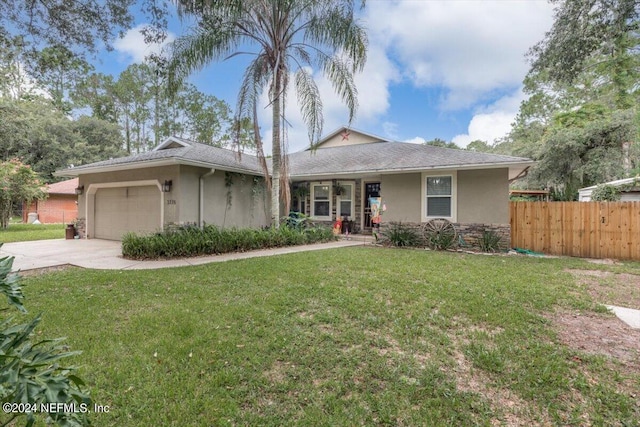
(449, 69)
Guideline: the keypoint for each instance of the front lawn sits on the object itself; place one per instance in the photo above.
(353, 336)
(28, 232)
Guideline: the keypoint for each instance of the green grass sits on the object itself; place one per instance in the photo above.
(28, 232)
(352, 336)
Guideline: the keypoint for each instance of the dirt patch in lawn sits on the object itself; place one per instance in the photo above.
(609, 288)
(599, 334)
(45, 270)
(512, 410)
(603, 335)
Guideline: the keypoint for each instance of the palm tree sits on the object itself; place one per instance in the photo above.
(289, 38)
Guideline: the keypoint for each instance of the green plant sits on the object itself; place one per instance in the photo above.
(399, 234)
(296, 220)
(189, 241)
(300, 190)
(606, 193)
(30, 374)
(18, 183)
(490, 241)
(442, 242)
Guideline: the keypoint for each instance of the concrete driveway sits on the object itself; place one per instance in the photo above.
(107, 254)
(94, 253)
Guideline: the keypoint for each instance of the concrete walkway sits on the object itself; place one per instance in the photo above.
(107, 254)
(629, 316)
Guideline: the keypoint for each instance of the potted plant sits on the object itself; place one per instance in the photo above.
(301, 191)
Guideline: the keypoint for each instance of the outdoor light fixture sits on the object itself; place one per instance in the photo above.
(166, 187)
(79, 190)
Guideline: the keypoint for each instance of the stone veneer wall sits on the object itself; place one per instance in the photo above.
(81, 227)
(470, 233)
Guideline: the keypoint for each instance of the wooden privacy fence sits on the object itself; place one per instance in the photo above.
(580, 229)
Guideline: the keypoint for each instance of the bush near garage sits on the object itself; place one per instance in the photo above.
(188, 241)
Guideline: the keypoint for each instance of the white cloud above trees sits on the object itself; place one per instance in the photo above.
(133, 48)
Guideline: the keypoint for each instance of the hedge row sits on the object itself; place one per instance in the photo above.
(193, 241)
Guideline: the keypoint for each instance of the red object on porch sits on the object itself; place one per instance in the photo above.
(337, 227)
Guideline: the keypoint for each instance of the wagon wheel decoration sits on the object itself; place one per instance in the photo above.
(440, 234)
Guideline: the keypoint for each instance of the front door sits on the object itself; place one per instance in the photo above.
(371, 189)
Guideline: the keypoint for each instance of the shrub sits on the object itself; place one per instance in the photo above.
(490, 241)
(442, 242)
(296, 220)
(401, 235)
(210, 240)
(30, 373)
(606, 193)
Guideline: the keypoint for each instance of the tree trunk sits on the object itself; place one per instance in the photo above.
(275, 151)
(626, 157)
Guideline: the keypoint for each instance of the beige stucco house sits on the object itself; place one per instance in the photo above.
(183, 182)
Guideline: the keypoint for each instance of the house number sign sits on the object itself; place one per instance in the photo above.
(171, 202)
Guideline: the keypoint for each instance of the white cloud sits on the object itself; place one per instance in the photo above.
(133, 47)
(390, 130)
(469, 48)
(492, 122)
(416, 140)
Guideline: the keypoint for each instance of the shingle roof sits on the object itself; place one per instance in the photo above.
(389, 157)
(194, 152)
(63, 187)
(363, 158)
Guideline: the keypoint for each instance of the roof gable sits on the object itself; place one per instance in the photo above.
(172, 142)
(344, 136)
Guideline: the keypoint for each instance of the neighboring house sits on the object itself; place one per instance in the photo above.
(416, 183)
(61, 205)
(629, 190)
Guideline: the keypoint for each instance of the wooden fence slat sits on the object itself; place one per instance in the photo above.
(584, 229)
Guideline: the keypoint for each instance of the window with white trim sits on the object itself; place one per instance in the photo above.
(439, 196)
(321, 201)
(345, 201)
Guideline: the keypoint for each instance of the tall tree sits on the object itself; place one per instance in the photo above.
(59, 71)
(80, 25)
(581, 115)
(18, 183)
(592, 34)
(479, 146)
(97, 92)
(288, 38)
(13, 80)
(47, 140)
(437, 142)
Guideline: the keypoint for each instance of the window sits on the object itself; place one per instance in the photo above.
(345, 201)
(439, 192)
(321, 201)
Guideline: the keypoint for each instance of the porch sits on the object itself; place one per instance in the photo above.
(325, 201)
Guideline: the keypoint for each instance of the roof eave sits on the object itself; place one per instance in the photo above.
(150, 164)
(516, 166)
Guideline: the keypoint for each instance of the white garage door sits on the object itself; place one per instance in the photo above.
(125, 209)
